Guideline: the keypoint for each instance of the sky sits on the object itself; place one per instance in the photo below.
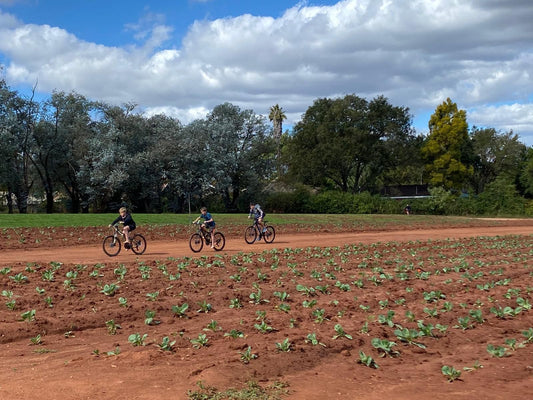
(184, 57)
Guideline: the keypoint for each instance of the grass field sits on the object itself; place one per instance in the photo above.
(54, 220)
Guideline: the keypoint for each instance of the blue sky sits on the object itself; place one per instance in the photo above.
(184, 57)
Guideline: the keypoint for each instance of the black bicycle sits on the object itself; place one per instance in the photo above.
(112, 243)
(196, 242)
(254, 233)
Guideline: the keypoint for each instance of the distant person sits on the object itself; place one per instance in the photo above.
(129, 224)
(407, 209)
(208, 224)
(259, 217)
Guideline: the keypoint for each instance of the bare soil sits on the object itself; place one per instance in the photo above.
(370, 284)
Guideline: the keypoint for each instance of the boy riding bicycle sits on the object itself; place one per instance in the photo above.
(129, 224)
(259, 217)
(208, 224)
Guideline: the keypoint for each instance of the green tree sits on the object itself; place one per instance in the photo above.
(496, 154)
(69, 113)
(526, 176)
(447, 150)
(276, 116)
(18, 120)
(238, 151)
(343, 143)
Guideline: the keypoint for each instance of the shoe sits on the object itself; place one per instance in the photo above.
(212, 247)
(127, 245)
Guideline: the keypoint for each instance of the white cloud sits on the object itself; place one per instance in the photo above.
(515, 117)
(416, 53)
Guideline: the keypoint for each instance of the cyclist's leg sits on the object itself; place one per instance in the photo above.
(212, 237)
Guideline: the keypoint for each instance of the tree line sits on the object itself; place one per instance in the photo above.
(72, 154)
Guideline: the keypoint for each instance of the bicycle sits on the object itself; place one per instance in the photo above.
(252, 233)
(112, 243)
(196, 242)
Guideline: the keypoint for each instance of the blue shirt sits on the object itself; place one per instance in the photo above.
(207, 217)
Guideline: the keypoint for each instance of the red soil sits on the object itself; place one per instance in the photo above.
(469, 268)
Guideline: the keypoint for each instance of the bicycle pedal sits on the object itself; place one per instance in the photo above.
(127, 246)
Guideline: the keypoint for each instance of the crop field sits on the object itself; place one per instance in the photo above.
(426, 308)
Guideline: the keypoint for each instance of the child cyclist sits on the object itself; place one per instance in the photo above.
(259, 217)
(208, 224)
(129, 224)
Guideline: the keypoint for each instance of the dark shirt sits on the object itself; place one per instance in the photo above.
(127, 220)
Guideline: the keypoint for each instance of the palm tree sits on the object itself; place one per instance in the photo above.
(277, 116)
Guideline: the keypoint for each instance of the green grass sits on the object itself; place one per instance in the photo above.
(308, 220)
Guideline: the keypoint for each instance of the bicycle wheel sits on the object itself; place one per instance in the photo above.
(138, 244)
(111, 245)
(269, 234)
(250, 234)
(196, 243)
(220, 241)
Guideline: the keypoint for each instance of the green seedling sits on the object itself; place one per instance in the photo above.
(28, 316)
(309, 303)
(425, 330)
(523, 303)
(234, 333)
(200, 341)
(319, 314)
(311, 338)
(284, 346)
(477, 315)
(112, 327)
(19, 278)
(367, 360)
(528, 334)
(36, 340)
(513, 345)
(235, 303)
(136, 339)
(283, 296)
(205, 307)
(387, 319)
(180, 311)
(409, 336)
(464, 323)
(247, 355)
(123, 302)
(284, 307)
(150, 318)
(115, 352)
(166, 344)
(109, 289)
(385, 347)
(340, 333)
(450, 373)
(263, 327)
(212, 326)
(307, 291)
(496, 351)
(152, 296)
(120, 272)
(505, 312)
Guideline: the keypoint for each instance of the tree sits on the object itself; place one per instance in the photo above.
(19, 116)
(276, 116)
(496, 154)
(447, 150)
(526, 177)
(344, 142)
(69, 113)
(238, 151)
